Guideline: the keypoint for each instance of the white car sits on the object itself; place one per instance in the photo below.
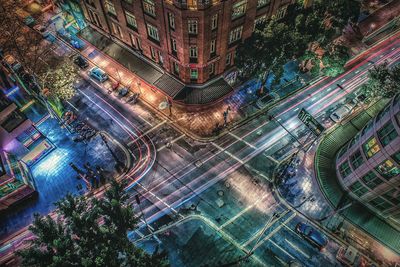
(340, 113)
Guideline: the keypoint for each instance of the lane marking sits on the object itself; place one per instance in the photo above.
(243, 211)
(173, 141)
(287, 253)
(296, 109)
(69, 103)
(241, 139)
(228, 153)
(358, 71)
(148, 131)
(329, 89)
(297, 249)
(312, 99)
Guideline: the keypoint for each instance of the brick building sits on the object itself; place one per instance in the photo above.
(192, 40)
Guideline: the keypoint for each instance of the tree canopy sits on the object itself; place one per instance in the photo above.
(88, 233)
(303, 34)
(383, 82)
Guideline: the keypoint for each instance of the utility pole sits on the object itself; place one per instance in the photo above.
(144, 218)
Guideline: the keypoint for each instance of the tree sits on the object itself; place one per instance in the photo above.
(383, 82)
(88, 233)
(334, 60)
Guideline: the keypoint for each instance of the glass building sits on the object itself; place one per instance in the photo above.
(368, 166)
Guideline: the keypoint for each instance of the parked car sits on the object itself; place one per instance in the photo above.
(340, 113)
(347, 256)
(41, 29)
(98, 74)
(81, 62)
(311, 235)
(12, 62)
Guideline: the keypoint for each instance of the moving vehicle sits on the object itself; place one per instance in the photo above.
(81, 62)
(340, 113)
(98, 74)
(311, 235)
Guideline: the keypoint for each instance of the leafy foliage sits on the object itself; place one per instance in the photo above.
(88, 233)
(300, 35)
(383, 82)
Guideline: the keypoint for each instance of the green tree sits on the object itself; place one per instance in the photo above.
(383, 82)
(88, 233)
(334, 60)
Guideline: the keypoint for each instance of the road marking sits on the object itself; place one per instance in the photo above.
(228, 153)
(287, 253)
(279, 119)
(297, 249)
(72, 105)
(393, 48)
(369, 64)
(243, 211)
(313, 98)
(173, 141)
(381, 56)
(343, 80)
(241, 139)
(147, 132)
(329, 89)
(267, 238)
(296, 109)
(358, 71)
(270, 234)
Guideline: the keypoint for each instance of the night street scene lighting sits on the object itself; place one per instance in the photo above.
(193, 133)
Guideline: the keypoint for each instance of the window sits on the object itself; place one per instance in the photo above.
(371, 180)
(212, 46)
(192, 26)
(228, 59)
(344, 169)
(387, 133)
(153, 53)
(239, 9)
(380, 204)
(371, 147)
(281, 12)
(214, 21)
(173, 45)
(235, 34)
(130, 20)
(193, 51)
(132, 39)
(260, 20)
(342, 151)
(110, 7)
(393, 196)
(171, 20)
(129, 1)
(176, 67)
(261, 3)
(152, 32)
(356, 159)
(396, 157)
(13, 120)
(116, 29)
(149, 7)
(358, 189)
(387, 169)
(354, 140)
(211, 69)
(194, 74)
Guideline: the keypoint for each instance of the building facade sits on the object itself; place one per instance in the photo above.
(368, 166)
(193, 40)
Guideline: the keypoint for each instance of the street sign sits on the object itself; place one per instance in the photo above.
(310, 122)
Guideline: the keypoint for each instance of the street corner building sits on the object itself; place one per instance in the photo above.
(368, 166)
(189, 46)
